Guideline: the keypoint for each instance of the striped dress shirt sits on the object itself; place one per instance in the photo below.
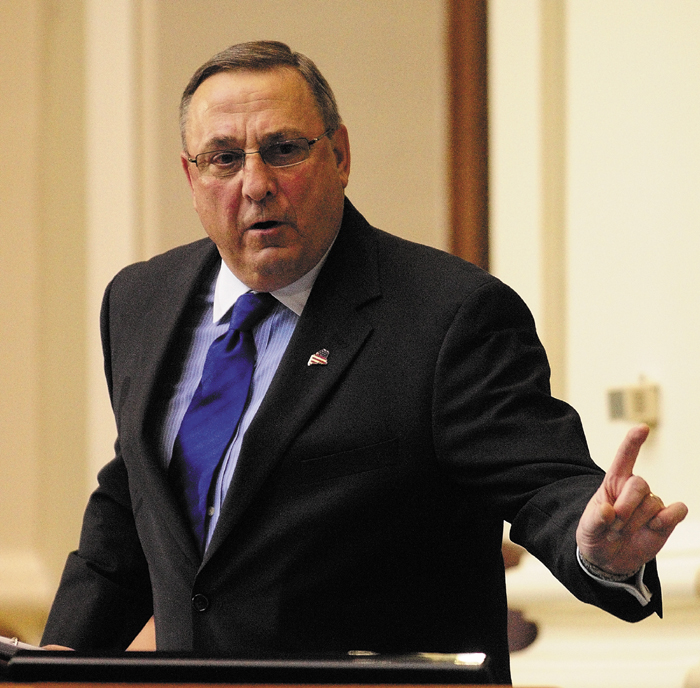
(271, 336)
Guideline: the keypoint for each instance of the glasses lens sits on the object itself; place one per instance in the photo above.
(285, 153)
(220, 163)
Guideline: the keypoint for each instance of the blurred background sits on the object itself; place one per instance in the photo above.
(592, 198)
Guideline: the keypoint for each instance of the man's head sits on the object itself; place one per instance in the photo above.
(260, 56)
(271, 222)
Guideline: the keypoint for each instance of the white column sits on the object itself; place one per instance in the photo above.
(112, 187)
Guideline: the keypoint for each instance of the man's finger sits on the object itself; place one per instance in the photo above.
(623, 464)
(668, 518)
(632, 493)
(57, 647)
(644, 513)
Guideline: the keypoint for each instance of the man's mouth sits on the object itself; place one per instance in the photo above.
(267, 224)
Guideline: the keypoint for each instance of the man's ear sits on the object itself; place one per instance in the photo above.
(188, 173)
(341, 149)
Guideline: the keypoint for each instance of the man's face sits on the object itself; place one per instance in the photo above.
(271, 225)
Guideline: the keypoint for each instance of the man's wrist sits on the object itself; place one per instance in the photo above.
(602, 573)
(634, 584)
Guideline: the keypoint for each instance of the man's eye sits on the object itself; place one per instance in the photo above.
(225, 158)
(285, 150)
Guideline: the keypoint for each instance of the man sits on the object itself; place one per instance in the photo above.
(399, 411)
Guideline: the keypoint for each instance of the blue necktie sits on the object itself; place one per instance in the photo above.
(216, 408)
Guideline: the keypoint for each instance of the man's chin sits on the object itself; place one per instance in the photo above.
(272, 269)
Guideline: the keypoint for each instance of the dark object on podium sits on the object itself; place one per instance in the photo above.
(7, 651)
(156, 667)
(9, 647)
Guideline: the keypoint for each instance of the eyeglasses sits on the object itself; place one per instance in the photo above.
(224, 163)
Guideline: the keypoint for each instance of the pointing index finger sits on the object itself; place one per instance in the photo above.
(622, 466)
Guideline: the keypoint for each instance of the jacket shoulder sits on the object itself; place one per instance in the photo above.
(160, 278)
(427, 262)
(169, 265)
(409, 261)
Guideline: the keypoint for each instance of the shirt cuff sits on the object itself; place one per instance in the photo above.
(634, 585)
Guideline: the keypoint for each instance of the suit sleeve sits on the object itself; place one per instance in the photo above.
(104, 597)
(518, 450)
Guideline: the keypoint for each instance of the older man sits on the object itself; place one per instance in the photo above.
(329, 469)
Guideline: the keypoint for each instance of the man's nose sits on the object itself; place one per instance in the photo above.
(258, 178)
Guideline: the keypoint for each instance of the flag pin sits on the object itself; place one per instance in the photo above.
(319, 358)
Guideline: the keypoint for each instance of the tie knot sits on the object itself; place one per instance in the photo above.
(249, 310)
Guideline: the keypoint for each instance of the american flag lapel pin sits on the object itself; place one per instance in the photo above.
(319, 358)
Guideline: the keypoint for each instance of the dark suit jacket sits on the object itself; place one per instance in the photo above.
(367, 507)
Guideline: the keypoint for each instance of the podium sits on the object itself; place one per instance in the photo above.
(422, 670)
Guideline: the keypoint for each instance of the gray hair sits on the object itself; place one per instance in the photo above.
(263, 56)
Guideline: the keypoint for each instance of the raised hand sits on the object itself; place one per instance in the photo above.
(625, 525)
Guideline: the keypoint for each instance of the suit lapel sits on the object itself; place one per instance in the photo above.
(332, 319)
(163, 321)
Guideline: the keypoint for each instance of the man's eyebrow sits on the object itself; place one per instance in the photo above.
(282, 136)
(229, 143)
(221, 143)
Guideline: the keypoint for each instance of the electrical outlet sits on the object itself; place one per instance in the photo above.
(639, 404)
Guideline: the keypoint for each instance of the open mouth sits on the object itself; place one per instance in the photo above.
(268, 224)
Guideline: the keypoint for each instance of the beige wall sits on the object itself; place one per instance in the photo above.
(42, 292)
(595, 215)
(629, 205)
(633, 234)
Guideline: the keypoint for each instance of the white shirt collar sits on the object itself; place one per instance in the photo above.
(294, 296)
